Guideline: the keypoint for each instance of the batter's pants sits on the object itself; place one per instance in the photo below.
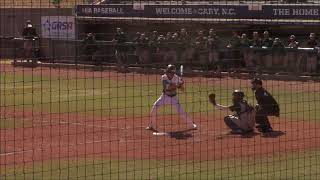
(167, 100)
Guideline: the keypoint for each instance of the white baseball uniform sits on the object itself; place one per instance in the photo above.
(169, 98)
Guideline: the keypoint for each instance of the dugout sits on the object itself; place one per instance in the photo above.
(104, 28)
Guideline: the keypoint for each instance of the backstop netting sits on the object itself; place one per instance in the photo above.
(159, 89)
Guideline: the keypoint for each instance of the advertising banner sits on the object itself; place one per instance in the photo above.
(58, 27)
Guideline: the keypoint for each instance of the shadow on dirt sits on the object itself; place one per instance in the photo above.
(273, 134)
(180, 135)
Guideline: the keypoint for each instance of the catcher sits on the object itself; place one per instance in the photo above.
(243, 120)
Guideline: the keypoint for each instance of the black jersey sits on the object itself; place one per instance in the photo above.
(266, 101)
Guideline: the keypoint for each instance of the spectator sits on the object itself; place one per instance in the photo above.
(135, 43)
(154, 36)
(278, 53)
(266, 57)
(173, 47)
(171, 54)
(120, 40)
(292, 60)
(234, 43)
(267, 41)
(311, 64)
(142, 46)
(168, 36)
(162, 47)
(153, 44)
(213, 44)
(89, 46)
(201, 39)
(256, 40)
(184, 47)
(244, 41)
(199, 47)
(312, 42)
(293, 43)
(245, 45)
(29, 35)
(255, 55)
(232, 51)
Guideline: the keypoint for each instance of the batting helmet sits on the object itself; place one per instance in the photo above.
(238, 93)
(256, 81)
(171, 68)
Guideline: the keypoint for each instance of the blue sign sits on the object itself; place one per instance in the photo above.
(163, 11)
(268, 12)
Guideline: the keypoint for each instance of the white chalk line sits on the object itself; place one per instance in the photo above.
(120, 140)
(96, 126)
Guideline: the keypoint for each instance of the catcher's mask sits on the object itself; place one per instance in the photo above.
(171, 68)
(238, 94)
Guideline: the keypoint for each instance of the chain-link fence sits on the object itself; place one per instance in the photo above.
(159, 90)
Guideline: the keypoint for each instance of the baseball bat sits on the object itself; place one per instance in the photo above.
(181, 74)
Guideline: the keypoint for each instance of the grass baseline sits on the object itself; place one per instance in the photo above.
(297, 165)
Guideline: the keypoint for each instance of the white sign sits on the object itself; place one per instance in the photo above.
(58, 27)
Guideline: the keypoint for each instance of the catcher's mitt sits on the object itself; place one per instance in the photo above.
(212, 98)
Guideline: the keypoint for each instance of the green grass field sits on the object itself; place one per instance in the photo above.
(110, 97)
(302, 165)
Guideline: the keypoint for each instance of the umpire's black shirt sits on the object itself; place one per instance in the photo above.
(266, 101)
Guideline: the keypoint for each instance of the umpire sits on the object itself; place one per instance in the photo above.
(266, 106)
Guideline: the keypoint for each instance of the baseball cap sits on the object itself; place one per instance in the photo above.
(256, 81)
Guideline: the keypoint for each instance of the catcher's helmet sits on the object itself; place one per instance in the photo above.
(256, 81)
(171, 68)
(238, 93)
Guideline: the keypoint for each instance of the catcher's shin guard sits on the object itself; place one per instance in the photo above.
(233, 126)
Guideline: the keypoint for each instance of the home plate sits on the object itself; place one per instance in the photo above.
(160, 133)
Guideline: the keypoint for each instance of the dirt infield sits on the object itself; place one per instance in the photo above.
(49, 136)
(71, 136)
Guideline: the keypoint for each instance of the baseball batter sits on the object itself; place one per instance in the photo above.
(243, 120)
(171, 82)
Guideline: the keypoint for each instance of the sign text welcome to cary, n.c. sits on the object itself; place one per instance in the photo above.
(199, 11)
